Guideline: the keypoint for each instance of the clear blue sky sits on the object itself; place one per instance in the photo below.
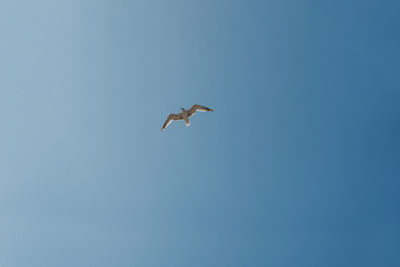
(299, 165)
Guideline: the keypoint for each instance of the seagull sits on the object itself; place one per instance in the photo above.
(184, 115)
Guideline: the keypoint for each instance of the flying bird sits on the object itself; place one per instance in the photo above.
(184, 115)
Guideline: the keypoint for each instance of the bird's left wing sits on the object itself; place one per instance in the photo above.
(195, 108)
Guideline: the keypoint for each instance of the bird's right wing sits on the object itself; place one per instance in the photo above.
(167, 122)
(170, 118)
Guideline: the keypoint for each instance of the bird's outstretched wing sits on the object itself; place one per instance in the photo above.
(171, 117)
(195, 108)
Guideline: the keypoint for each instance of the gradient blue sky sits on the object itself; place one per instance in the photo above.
(299, 165)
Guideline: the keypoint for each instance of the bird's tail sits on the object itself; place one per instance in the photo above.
(187, 121)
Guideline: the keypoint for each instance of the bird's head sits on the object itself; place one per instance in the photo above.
(183, 109)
